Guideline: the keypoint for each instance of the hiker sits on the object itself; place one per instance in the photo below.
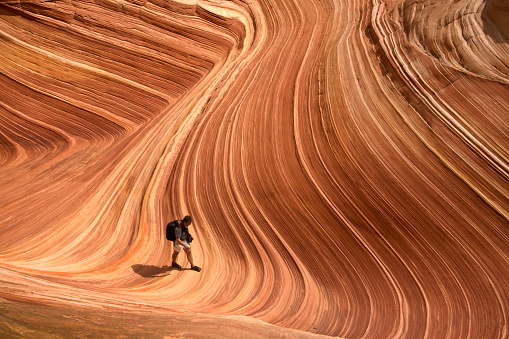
(182, 240)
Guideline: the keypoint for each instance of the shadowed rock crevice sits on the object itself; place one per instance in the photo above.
(494, 17)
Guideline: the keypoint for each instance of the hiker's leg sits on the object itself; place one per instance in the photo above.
(177, 248)
(190, 256)
(174, 256)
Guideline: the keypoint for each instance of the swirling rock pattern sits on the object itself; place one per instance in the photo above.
(345, 162)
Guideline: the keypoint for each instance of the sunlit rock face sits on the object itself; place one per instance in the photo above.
(345, 164)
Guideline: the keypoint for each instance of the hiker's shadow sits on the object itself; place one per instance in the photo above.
(150, 271)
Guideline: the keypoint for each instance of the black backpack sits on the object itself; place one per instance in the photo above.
(170, 230)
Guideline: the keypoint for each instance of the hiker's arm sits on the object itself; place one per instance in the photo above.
(182, 244)
(178, 234)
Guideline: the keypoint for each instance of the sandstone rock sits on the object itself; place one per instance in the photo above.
(345, 163)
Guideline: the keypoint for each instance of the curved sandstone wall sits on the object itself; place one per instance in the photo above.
(345, 163)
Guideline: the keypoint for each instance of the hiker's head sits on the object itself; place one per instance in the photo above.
(187, 220)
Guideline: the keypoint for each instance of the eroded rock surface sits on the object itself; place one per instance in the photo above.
(345, 162)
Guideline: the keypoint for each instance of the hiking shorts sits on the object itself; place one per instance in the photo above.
(178, 247)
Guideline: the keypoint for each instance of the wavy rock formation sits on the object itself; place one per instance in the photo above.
(345, 164)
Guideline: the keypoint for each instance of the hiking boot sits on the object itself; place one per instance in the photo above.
(196, 268)
(175, 265)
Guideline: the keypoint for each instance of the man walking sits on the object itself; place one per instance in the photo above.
(182, 240)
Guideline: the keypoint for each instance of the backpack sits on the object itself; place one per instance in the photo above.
(170, 230)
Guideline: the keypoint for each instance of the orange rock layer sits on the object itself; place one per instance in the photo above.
(345, 163)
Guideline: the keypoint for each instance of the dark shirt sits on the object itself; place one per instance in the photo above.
(181, 232)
